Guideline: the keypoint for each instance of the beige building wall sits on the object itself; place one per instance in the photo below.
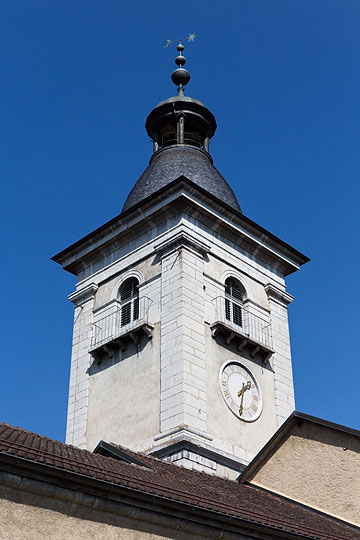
(31, 516)
(317, 466)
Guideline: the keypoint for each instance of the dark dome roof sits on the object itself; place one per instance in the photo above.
(170, 163)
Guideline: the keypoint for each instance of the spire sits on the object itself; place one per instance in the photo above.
(181, 128)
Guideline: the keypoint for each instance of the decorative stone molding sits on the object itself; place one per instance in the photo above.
(182, 240)
(130, 274)
(199, 457)
(183, 429)
(83, 295)
(235, 274)
(279, 296)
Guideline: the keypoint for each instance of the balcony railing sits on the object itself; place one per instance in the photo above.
(236, 321)
(124, 322)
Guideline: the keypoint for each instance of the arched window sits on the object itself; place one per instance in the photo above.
(234, 296)
(129, 301)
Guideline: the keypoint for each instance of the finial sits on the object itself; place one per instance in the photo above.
(180, 76)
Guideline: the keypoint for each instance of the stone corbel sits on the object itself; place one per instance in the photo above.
(134, 337)
(229, 338)
(182, 240)
(242, 344)
(255, 350)
(83, 295)
(278, 295)
(109, 351)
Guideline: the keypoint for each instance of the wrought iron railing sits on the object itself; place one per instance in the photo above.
(120, 321)
(242, 320)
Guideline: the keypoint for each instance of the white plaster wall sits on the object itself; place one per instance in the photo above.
(124, 395)
(124, 391)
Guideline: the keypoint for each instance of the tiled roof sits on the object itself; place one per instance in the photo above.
(178, 484)
(174, 162)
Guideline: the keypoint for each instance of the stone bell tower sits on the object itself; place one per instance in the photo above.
(181, 344)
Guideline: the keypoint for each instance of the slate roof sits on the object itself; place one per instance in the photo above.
(169, 481)
(172, 162)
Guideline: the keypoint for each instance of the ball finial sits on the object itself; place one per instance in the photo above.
(180, 76)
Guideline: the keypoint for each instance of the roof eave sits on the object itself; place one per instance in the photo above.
(150, 503)
(85, 245)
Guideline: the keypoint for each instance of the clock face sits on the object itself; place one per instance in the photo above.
(240, 391)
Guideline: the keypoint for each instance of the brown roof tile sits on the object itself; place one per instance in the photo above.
(163, 479)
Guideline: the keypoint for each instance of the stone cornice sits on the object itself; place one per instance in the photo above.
(278, 295)
(182, 240)
(183, 196)
(83, 295)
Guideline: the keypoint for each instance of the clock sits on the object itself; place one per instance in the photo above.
(240, 391)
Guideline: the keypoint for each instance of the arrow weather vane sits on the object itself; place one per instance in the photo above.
(191, 37)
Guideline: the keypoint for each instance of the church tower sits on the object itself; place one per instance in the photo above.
(181, 343)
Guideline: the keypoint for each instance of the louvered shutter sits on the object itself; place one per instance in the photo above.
(129, 299)
(234, 294)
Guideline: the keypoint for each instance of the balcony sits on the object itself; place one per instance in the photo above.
(243, 327)
(121, 324)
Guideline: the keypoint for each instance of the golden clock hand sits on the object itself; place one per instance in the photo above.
(241, 393)
(246, 386)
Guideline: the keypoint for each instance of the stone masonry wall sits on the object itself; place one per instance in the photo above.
(281, 359)
(183, 381)
(80, 361)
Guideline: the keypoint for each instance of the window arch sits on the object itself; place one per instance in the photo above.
(234, 301)
(129, 301)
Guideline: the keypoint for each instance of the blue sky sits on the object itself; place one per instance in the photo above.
(77, 82)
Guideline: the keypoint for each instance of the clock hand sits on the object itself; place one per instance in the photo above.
(246, 386)
(241, 393)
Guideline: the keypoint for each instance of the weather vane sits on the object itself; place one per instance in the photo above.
(191, 37)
